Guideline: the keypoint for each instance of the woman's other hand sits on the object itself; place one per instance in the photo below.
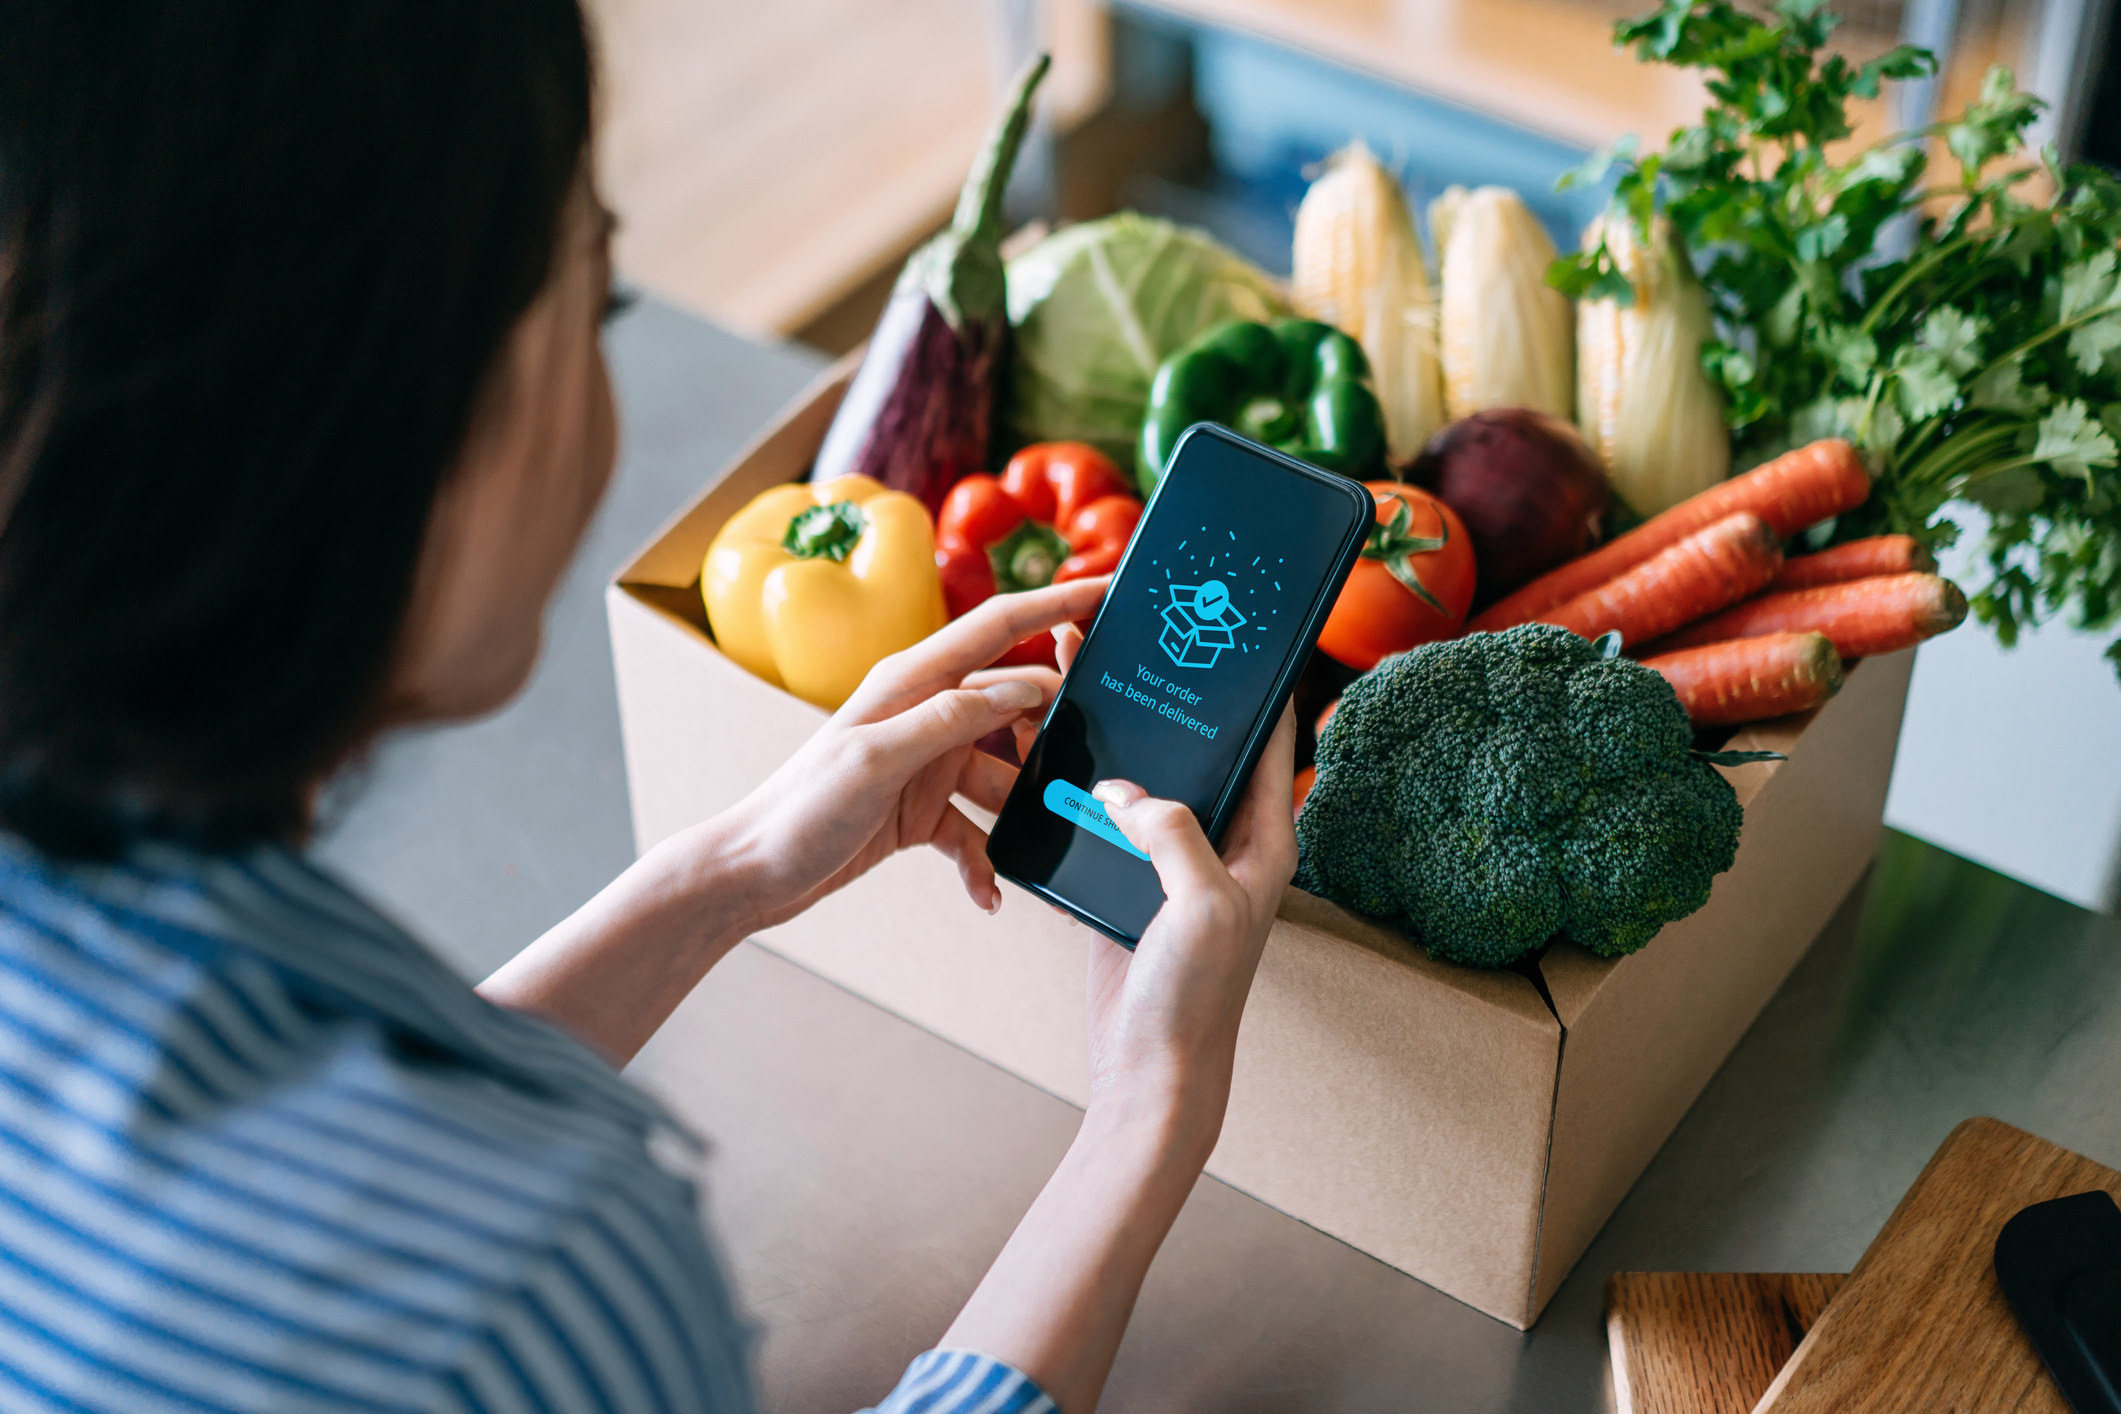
(1163, 1018)
(1163, 1037)
(879, 776)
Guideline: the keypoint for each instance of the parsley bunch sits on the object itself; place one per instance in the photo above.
(1982, 366)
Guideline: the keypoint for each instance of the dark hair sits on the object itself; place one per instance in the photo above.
(258, 259)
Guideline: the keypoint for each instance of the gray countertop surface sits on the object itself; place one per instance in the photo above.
(864, 1171)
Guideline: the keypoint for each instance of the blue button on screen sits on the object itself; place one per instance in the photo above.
(1083, 810)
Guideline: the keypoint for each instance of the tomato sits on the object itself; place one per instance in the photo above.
(1417, 541)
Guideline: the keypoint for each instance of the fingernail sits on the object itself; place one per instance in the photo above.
(1013, 695)
(1117, 793)
(994, 903)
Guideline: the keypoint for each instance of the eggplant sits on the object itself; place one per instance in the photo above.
(919, 414)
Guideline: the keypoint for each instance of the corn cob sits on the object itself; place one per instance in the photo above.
(1506, 339)
(1359, 265)
(1644, 403)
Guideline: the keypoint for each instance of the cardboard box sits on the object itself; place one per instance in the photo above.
(1474, 1129)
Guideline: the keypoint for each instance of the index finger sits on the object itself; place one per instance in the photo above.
(976, 640)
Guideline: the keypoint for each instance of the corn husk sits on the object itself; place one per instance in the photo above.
(1506, 335)
(1644, 403)
(1359, 266)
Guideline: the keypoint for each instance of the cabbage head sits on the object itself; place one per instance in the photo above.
(1097, 306)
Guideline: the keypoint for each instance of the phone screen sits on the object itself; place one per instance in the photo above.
(1232, 571)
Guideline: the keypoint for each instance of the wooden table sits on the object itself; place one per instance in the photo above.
(767, 157)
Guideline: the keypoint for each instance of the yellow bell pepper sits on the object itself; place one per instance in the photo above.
(811, 584)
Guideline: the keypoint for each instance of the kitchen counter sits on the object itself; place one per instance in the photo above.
(864, 1172)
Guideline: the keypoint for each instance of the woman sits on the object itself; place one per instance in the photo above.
(302, 413)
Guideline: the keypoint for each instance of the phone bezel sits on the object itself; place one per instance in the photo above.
(1364, 507)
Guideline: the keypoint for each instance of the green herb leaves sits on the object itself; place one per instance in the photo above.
(2088, 307)
(1992, 126)
(2072, 442)
(1967, 336)
(2002, 388)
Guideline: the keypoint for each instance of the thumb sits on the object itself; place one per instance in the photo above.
(949, 719)
(1185, 863)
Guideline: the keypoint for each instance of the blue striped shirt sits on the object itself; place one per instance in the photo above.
(260, 1150)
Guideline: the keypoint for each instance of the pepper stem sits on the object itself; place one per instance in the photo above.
(1268, 420)
(825, 532)
(1027, 557)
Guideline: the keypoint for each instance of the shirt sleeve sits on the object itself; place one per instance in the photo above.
(963, 1382)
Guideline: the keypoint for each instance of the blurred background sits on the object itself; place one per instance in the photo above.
(773, 164)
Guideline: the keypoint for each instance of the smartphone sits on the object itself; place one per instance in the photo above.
(1210, 615)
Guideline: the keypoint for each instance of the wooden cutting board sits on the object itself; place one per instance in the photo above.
(1921, 1326)
(1707, 1342)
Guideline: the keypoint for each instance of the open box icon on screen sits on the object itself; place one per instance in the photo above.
(1199, 623)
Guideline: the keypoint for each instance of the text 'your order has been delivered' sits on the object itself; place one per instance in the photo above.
(1162, 697)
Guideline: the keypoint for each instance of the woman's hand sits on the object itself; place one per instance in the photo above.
(1163, 1036)
(879, 776)
(1163, 1018)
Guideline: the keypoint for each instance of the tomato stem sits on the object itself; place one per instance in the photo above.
(1394, 543)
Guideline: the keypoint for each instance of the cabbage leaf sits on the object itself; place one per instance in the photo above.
(1098, 306)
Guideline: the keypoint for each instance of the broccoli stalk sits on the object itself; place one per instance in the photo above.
(1492, 792)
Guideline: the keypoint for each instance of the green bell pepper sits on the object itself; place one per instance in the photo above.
(1297, 385)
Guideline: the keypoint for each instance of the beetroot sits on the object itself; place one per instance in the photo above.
(1529, 490)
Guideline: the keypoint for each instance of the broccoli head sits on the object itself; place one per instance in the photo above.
(1493, 791)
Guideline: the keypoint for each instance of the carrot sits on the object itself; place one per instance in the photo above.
(1859, 559)
(1746, 679)
(1862, 617)
(1704, 572)
(1791, 492)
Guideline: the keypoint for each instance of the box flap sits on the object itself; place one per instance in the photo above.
(1505, 991)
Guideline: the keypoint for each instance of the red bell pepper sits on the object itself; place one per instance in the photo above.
(1059, 511)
